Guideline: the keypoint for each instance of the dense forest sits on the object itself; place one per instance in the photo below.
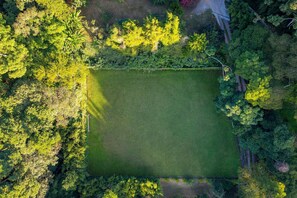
(44, 52)
(263, 53)
(47, 49)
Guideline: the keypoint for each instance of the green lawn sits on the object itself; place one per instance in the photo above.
(158, 124)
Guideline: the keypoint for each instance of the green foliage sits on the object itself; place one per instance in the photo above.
(276, 20)
(258, 91)
(241, 16)
(253, 39)
(284, 60)
(259, 183)
(197, 43)
(175, 7)
(28, 22)
(148, 188)
(133, 38)
(42, 128)
(250, 67)
(12, 53)
(11, 10)
(282, 14)
(247, 51)
(42, 112)
(252, 50)
(117, 186)
(153, 46)
(109, 194)
(55, 47)
(234, 106)
(159, 2)
(284, 56)
(277, 97)
(243, 113)
(290, 178)
(270, 140)
(34, 144)
(79, 3)
(166, 57)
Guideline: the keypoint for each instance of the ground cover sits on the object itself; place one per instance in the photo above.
(162, 123)
(108, 12)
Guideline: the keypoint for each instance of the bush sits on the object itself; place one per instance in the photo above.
(175, 7)
(159, 2)
(197, 43)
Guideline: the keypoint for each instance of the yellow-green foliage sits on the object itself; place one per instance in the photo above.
(258, 91)
(153, 33)
(197, 43)
(62, 71)
(148, 188)
(258, 183)
(57, 8)
(46, 41)
(28, 22)
(280, 190)
(171, 33)
(12, 54)
(110, 194)
(131, 37)
(55, 45)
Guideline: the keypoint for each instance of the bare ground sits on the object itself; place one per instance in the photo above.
(108, 12)
(173, 188)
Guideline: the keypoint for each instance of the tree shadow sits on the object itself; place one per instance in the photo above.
(96, 101)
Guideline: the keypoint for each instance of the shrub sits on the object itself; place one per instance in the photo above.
(159, 2)
(197, 43)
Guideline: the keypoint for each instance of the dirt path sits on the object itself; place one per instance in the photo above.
(218, 9)
(173, 188)
(107, 12)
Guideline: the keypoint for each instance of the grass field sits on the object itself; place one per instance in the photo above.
(158, 124)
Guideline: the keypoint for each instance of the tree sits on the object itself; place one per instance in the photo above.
(233, 104)
(28, 22)
(109, 194)
(275, 143)
(197, 43)
(283, 13)
(42, 114)
(259, 183)
(253, 38)
(240, 14)
(149, 188)
(12, 54)
(284, 57)
(34, 144)
(250, 67)
(133, 38)
(258, 91)
(153, 33)
(171, 31)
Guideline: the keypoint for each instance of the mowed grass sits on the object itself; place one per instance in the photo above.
(162, 124)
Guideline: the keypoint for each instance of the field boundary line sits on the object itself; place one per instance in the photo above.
(160, 69)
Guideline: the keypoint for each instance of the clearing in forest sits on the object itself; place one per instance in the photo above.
(162, 123)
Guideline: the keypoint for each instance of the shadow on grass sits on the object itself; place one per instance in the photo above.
(96, 101)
